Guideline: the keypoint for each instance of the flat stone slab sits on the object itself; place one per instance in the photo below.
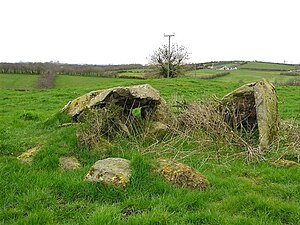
(110, 171)
(27, 156)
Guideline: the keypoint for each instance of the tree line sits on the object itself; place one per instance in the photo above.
(63, 68)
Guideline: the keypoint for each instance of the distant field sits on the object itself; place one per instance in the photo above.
(132, 73)
(17, 81)
(65, 81)
(264, 65)
(245, 76)
(204, 72)
(242, 76)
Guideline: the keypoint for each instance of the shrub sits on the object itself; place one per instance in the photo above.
(202, 115)
(131, 77)
(98, 124)
(290, 74)
(208, 116)
(293, 82)
(208, 77)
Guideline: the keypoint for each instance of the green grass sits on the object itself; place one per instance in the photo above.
(240, 193)
(246, 76)
(265, 65)
(17, 81)
(78, 82)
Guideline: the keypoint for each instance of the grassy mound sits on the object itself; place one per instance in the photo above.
(239, 192)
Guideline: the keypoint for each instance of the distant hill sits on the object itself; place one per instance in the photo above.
(267, 66)
(247, 65)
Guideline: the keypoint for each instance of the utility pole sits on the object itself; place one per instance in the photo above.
(169, 52)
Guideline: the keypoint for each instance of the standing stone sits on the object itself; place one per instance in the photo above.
(238, 108)
(110, 171)
(253, 106)
(266, 112)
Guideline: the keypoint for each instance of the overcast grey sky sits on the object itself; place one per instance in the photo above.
(127, 31)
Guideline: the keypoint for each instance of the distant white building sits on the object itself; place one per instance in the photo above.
(226, 67)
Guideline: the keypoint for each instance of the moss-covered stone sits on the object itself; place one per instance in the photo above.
(181, 175)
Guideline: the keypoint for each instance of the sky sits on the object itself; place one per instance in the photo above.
(128, 31)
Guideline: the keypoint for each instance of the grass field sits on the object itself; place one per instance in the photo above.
(264, 65)
(242, 76)
(240, 193)
(17, 81)
(203, 72)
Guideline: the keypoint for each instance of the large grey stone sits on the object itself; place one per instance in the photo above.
(152, 105)
(110, 171)
(253, 106)
(266, 112)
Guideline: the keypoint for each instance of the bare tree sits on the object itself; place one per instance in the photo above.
(162, 60)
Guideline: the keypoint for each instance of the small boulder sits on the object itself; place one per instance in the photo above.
(69, 163)
(181, 175)
(110, 171)
(27, 156)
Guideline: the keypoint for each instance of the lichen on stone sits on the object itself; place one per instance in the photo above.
(27, 156)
